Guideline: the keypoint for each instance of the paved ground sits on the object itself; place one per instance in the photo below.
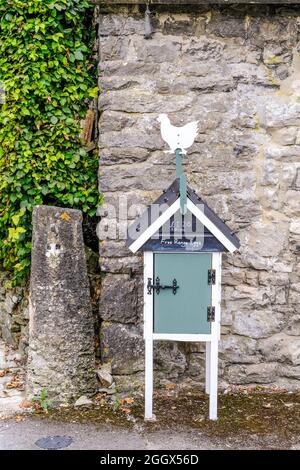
(24, 435)
(258, 421)
(11, 381)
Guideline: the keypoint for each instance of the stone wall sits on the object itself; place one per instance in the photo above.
(13, 315)
(237, 70)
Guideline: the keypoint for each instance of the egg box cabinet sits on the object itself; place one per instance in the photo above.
(182, 278)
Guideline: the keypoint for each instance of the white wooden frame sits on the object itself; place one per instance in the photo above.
(211, 227)
(199, 214)
(211, 340)
(152, 229)
(148, 336)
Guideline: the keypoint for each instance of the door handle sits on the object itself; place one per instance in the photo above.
(157, 286)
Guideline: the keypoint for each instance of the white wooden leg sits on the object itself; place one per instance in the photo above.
(148, 379)
(148, 335)
(207, 366)
(213, 381)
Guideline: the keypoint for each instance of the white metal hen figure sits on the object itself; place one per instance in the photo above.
(177, 137)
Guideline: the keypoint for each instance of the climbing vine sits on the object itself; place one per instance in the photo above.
(48, 75)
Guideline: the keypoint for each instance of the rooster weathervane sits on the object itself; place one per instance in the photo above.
(179, 140)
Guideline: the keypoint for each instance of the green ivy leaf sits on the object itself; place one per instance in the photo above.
(41, 156)
(53, 120)
(93, 92)
(78, 55)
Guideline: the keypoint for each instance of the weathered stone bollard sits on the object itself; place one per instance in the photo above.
(61, 356)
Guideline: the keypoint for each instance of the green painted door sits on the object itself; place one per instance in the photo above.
(185, 312)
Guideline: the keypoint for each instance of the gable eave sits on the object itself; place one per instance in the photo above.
(214, 218)
(166, 199)
(169, 198)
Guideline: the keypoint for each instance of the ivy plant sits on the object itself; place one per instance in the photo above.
(48, 74)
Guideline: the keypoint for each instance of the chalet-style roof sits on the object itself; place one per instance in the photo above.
(143, 224)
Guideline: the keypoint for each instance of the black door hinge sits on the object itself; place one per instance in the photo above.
(211, 277)
(211, 313)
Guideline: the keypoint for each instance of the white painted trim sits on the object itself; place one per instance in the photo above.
(165, 216)
(148, 299)
(211, 355)
(207, 366)
(219, 291)
(212, 377)
(148, 330)
(148, 379)
(210, 226)
(215, 295)
(213, 380)
(181, 337)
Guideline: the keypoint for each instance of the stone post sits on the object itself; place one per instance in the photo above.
(61, 356)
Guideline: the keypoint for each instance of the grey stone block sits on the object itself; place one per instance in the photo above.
(119, 298)
(123, 345)
(61, 340)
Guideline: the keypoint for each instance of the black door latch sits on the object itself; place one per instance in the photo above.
(157, 286)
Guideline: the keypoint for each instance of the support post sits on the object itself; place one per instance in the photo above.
(178, 154)
(207, 366)
(149, 379)
(183, 197)
(215, 334)
(148, 336)
(213, 380)
(182, 181)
